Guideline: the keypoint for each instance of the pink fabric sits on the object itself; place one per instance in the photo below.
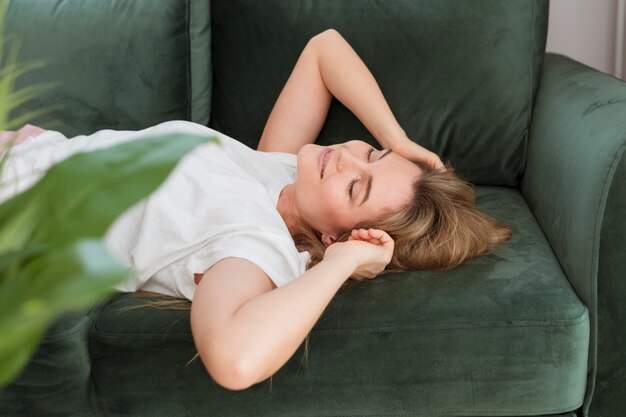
(19, 136)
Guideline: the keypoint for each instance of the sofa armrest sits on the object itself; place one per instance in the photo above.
(575, 184)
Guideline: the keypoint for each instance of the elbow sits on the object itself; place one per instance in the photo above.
(328, 33)
(228, 373)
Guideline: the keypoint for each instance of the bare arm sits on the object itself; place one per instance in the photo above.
(328, 66)
(244, 330)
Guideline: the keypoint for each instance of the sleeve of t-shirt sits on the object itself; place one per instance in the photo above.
(271, 252)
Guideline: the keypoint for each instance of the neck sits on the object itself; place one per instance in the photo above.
(287, 207)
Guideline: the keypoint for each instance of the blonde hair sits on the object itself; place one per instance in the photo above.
(438, 229)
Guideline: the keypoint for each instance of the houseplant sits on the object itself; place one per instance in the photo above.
(52, 256)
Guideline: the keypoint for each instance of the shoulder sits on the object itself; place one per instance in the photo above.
(274, 253)
(234, 273)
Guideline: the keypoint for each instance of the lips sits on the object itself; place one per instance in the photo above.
(323, 160)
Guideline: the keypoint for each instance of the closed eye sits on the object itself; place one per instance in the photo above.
(367, 158)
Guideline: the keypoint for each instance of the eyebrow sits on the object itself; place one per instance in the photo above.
(369, 181)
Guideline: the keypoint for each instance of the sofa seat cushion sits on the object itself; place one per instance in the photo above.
(54, 382)
(503, 334)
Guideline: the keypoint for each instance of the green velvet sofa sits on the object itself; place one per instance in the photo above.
(534, 328)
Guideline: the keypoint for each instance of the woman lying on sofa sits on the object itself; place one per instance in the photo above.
(261, 240)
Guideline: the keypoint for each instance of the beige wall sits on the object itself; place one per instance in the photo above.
(587, 30)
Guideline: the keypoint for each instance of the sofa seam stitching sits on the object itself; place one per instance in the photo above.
(530, 91)
(188, 52)
(575, 322)
(469, 414)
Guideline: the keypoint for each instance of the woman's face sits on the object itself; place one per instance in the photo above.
(378, 180)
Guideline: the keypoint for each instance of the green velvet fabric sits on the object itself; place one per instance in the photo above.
(610, 384)
(575, 184)
(459, 76)
(120, 65)
(56, 381)
(413, 343)
(535, 328)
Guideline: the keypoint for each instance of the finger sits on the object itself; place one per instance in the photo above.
(383, 236)
(434, 161)
(376, 236)
(376, 233)
(360, 234)
(367, 239)
(356, 234)
(387, 242)
(363, 234)
(370, 235)
(437, 161)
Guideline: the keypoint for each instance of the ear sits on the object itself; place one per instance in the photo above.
(328, 239)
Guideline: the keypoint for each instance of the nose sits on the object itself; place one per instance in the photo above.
(346, 160)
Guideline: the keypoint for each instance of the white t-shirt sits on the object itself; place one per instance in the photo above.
(219, 201)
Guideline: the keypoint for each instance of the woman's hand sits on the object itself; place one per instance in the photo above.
(371, 249)
(410, 150)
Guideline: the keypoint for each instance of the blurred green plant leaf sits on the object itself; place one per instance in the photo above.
(70, 277)
(52, 257)
(46, 264)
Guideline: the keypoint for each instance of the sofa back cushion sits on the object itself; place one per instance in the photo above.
(119, 65)
(460, 77)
